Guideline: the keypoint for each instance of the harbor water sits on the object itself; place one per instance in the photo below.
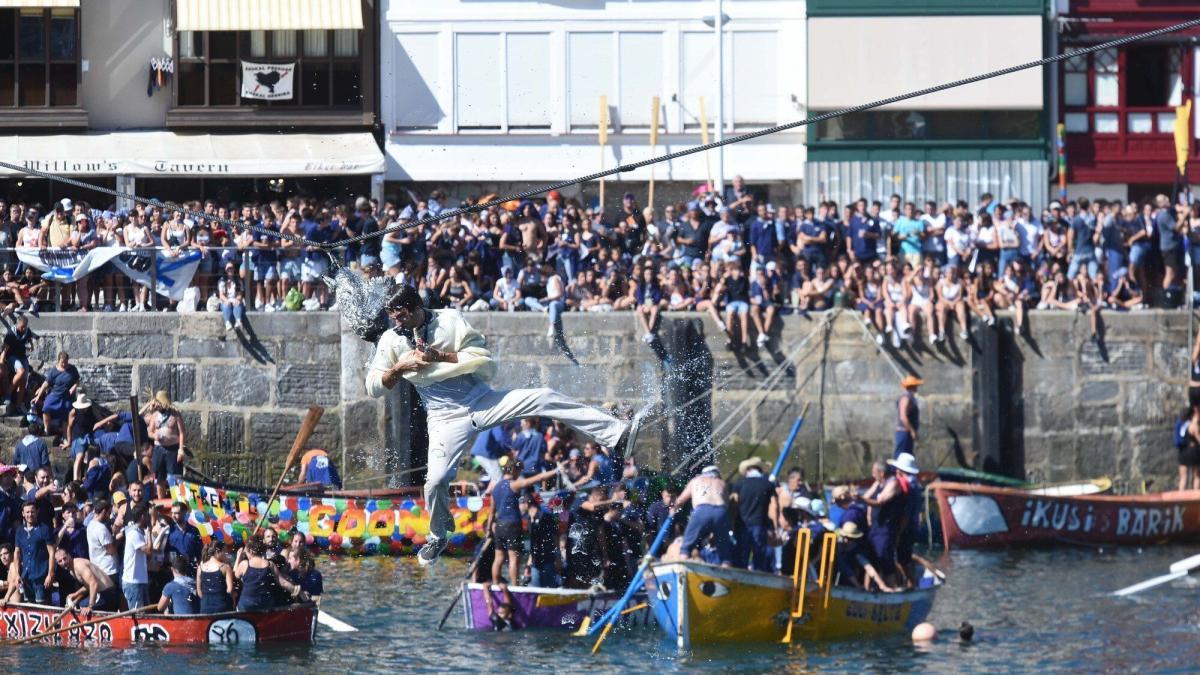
(1033, 610)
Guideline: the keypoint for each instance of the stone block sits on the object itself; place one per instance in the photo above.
(1101, 391)
(576, 381)
(858, 420)
(178, 379)
(209, 348)
(1153, 455)
(193, 424)
(1097, 417)
(1050, 412)
(107, 382)
(78, 345)
(1124, 358)
(302, 351)
(136, 346)
(356, 356)
(237, 385)
(511, 374)
(112, 323)
(1171, 361)
(59, 322)
(226, 432)
(1050, 377)
(273, 432)
(45, 350)
(1097, 454)
(327, 435)
(864, 376)
(362, 426)
(1049, 457)
(1151, 402)
(300, 385)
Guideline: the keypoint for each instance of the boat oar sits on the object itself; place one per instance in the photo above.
(614, 613)
(332, 622)
(487, 543)
(60, 629)
(1178, 570)
(787, 446)
(306, 429)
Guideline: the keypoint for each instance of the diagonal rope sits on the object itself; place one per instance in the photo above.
(624, 168)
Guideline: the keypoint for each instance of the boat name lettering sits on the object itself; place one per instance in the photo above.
(151, 632)
(873, 612)
(1057, 515)
(19, 623)
(1143, 522)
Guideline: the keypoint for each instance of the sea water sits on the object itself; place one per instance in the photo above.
(1033, 611)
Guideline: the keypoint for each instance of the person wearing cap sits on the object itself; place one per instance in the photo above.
(854, 568)
(505, 518)
(709, 514)
(757, 510)
(447, 360)
(56, 393)
(911, 492)
(59, 224)
(81, 422)
(908, 416)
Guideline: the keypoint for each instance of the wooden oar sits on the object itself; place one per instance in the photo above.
(487, 543)
(332, 622)
(1178, 570)
(306, 429)
(60, 629)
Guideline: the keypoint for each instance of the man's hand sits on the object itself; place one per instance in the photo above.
(87, 612)
(49, 581)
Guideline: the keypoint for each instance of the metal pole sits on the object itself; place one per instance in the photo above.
(719, 29)
(821, 405)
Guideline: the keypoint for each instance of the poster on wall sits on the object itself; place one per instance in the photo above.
(267, 81)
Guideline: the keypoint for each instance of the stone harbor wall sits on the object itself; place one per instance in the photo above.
(1066, 408)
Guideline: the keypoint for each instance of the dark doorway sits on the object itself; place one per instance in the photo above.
(1153, 72)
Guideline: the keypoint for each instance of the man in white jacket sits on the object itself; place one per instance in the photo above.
(447, 361)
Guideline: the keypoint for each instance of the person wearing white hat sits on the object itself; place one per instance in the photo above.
(709, 514)
(80, 423)
(757, 508)
(911, 495)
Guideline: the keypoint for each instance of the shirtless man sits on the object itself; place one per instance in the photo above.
(447, 361)
(101, 593)
(709, 515)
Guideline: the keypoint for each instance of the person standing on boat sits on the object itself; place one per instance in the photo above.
(887, 508)
(260, 579)
(757, 509)
(507, 537)
(34, 550)
(214, 580)
(447, 361)
(545, 565)
(908, 417)
(88, 581)
(709, 514)
(912, 493)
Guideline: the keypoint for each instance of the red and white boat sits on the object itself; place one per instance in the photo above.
(293, 623)
(978, 515)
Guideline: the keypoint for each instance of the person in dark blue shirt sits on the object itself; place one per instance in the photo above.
(489, 447)
(10, 503)
(315, 261)
(545, 565)
(530, 447)
(32, 450)
(813, 239)
(505, 524)
(183, 539)
(34, 548)
(72, 536)
(302, 571)
(864, 233)
(57, 393)
(763, 237)
(179, 594)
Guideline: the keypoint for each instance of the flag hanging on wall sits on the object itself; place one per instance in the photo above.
(267, 81)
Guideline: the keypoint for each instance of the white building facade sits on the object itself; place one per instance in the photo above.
(510, 91)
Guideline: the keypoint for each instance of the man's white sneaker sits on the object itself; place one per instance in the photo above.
(238, 324)
(879, 339)
(721, 326)
(648, 338)
(762, 339)
(228, 326)
(962, 334)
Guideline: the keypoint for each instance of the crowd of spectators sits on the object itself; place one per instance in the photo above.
(737, 256)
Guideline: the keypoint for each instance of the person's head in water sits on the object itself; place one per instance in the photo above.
(404, 307)
(966, 631)
(505, 611)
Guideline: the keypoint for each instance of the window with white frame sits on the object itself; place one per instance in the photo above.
(527, 74)
(478, 81)
(589, 76)
(416, 81)
(698, 78)
(641, 74)
(753, 89)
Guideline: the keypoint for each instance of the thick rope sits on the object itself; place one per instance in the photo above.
(624, 168)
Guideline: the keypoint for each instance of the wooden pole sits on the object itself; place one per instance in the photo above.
(462, 589)
(603, 135)
(653, 145)
(704, 141)
(306, 429)
(137, 436)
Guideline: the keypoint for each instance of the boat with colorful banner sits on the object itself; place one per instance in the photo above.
(294, 623)
(548, 608)
(696, 603)
(980, 515)
(360, 522)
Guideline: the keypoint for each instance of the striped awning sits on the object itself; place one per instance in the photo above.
(39, 3)
(268, 14)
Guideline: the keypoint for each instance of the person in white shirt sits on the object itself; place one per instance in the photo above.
(140, 542)
(447, 361)
(934, 244)
(102, 548)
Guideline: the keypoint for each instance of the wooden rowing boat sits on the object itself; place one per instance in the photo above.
(700, 604)
(294, 623)
(547, 608)
(359, 522)
(979, 515)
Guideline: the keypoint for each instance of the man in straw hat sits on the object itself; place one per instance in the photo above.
(447, 361)
(854, 561)
(757, 509)
(908, 416)
(709, 515)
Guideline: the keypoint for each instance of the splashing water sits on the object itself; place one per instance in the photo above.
(361, 302)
